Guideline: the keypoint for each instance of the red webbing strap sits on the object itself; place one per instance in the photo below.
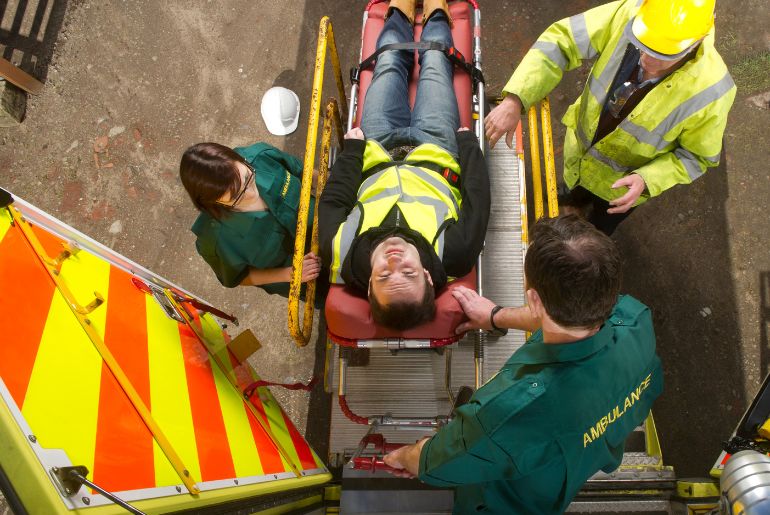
(249, 390)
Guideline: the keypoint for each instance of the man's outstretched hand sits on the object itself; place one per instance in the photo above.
(476, 307)
(406, 460)
(355, 133)
(503, 119)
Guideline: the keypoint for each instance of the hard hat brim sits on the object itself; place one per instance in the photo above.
(636, 26)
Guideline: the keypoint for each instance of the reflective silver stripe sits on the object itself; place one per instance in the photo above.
(714, 159)
(607, 161)
(432, 179)
(641, 134)
(441, 209)
(580, 34)
(680, 113)
(552, 52)
(439, 247)
(695, 103)
(387, 192)
(370, 180)
(690, 162)
(599, 85)
(345, 238)
(582, 135)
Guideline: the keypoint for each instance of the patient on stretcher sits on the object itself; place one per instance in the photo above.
(407, 202)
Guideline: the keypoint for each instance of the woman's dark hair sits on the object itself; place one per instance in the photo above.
(575, 269)
(405, 315)
(208, 171)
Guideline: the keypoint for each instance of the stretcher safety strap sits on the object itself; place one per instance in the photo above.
(454, 56)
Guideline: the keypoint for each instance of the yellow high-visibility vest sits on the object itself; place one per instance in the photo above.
(425, 198)
(671, 137)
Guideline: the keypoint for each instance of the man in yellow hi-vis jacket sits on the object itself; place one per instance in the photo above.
(407, 202)
(652, 113)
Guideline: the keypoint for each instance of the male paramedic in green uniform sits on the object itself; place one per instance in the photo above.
(562, 406)
(652, 113)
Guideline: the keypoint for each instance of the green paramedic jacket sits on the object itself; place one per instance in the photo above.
(550, 418)
(259, 239)
(671, 137)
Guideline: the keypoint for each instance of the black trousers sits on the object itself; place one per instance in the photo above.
(593, 208)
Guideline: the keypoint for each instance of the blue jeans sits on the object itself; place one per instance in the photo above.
(386, 116)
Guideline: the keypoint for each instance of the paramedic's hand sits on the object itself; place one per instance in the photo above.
(355, 133)
(476, 307)
(406, 459)
(311, 267)
(635, 184)
(503, 119)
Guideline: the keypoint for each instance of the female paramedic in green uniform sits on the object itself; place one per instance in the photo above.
(248, 199)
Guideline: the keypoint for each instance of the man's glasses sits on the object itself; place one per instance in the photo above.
(245, 187)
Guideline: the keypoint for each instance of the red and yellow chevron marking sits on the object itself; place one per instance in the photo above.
(73, 401)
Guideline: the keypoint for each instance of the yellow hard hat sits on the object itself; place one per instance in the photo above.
(667, 29)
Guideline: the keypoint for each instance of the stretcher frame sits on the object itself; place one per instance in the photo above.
(395, 344)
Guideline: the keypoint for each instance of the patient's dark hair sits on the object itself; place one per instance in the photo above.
(405, 315)
(208, 171)
(575, 269)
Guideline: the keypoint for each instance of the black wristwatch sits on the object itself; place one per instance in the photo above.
(496, 331)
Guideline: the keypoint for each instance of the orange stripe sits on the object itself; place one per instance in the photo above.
(268, 452)
(306, 457)
(27, 291)
(51, 244)
(124, 446)
(214, 455)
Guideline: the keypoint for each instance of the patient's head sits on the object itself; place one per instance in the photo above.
(401, 291)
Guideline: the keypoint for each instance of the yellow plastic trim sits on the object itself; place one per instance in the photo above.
(325, 43)
(333, 493)
(550, 166)
(534, 151)
(652, 443)
(697, 488)
(109, 360)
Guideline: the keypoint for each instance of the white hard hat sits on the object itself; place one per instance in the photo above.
(280, 110)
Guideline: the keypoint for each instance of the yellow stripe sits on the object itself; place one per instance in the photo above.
(62, 401)
(85, 274)
(5, 223)
(242, 447)
(169, 397)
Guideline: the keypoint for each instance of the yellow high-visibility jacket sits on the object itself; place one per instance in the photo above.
(425, 198)
(671, 137)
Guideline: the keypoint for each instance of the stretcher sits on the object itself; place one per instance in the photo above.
(348, 316)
